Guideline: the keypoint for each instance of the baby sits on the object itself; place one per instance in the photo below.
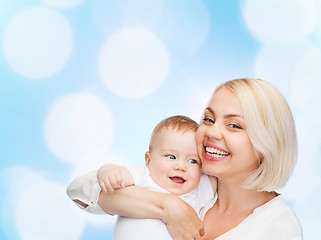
(172, 166)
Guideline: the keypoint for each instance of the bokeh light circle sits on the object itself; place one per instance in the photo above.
(79, 127)
(133, 63)
(276, 62)
(37, 42)
(305, 90)
(304, 80)
(95, 162)
(184, 27)
(17, 179)
(280, 20)
(44, 212)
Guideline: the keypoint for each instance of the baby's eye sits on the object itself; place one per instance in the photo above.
(170, 156)
(192, 161)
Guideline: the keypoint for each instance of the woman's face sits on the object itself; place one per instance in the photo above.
(222, 141)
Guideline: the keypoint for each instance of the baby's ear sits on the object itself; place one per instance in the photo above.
(147, 158)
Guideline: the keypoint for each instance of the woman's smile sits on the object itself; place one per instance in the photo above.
(214, 153)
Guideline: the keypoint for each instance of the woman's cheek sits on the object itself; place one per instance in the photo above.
(199, 137)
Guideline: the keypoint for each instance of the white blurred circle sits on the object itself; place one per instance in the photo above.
(95, 162)
(276, 62)
(64, 3)
(79, 127)
(184, 27)
(280, 20)
(37, 42)
(306, 175)
(306, 82)
(45, 212)
(133, 63)
(305, 90)
(18, 179)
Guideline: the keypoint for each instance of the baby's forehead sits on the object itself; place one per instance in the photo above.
(176, 130)
(167, 133)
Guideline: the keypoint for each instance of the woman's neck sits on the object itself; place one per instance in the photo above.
(231, 197)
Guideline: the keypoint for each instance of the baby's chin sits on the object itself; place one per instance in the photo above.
(179, 192)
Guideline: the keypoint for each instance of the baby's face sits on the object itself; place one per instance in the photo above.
(174, 163)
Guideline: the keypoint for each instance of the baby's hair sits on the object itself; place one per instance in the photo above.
(177, 123)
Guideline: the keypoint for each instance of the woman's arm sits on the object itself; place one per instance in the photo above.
(180, 218)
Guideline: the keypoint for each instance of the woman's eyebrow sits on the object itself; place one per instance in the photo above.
(210, 110)
(231, 115)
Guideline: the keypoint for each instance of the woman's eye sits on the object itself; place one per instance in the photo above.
(208, 120)
(192, 161)
(171, 156)
(234, 126)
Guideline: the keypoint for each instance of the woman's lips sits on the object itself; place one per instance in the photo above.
(212, 153)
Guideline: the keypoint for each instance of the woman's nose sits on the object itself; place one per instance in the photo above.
(214, 131)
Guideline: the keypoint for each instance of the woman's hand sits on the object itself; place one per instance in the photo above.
(181, 220)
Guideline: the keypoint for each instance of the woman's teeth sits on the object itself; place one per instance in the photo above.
(213, 152)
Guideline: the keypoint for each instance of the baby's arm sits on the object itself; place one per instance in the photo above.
(111, 177)
(85, 190)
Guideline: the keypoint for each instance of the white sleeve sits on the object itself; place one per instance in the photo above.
(139, 174)
(86, 189)
(143, 179)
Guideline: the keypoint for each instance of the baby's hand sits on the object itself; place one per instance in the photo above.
(111, 177)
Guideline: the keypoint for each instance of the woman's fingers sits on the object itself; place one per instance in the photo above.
(181, 220)
(202, 231)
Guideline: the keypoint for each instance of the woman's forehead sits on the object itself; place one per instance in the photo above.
(225, 101)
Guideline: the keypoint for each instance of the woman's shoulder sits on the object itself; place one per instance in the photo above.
(275, 205)
(277, 215)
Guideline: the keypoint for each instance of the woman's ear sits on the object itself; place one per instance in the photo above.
(147, 158)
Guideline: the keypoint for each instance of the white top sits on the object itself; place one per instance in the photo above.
(274, 220)
(87, 190)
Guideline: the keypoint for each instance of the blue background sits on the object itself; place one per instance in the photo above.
(83, 82)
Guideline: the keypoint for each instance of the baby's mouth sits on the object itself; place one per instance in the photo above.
(177, 179)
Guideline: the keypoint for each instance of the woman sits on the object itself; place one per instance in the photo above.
(247, 140)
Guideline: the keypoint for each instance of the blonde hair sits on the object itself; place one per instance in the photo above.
(271, 129)
(176, 123)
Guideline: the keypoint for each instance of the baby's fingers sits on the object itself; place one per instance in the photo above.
(120, 180)
(103, 186)
(111, 184)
